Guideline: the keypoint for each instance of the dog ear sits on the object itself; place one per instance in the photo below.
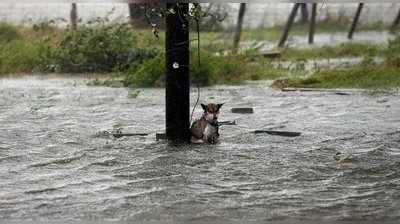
(204, 107)
(219, 106)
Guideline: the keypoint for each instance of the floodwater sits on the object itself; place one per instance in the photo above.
(323, 40)
(58, 163)
(330, 63)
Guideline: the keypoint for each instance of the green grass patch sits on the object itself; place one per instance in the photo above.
(98, 49)
(19, 56)
(213, 69)
(8, 33)
(392, 53)
(363, 77)
(147, 73)
(368, 75)
(22, 48)
(342, 50)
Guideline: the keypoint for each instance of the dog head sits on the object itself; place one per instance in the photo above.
(211, 111)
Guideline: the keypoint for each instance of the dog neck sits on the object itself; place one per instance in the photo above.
(213, 123)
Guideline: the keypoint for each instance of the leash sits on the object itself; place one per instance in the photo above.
(198, 59)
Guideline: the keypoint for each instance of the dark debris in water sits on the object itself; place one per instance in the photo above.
(279, 133)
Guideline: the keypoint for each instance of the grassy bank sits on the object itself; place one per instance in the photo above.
(230, 69)
(362, 77)
(20, 48)
(137, 58)
(368, 75)
(342, 50)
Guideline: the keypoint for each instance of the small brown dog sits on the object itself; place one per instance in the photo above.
(205, 129)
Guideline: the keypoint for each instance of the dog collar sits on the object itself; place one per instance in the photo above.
(215, 124)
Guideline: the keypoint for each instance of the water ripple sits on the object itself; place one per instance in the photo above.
(58, 161)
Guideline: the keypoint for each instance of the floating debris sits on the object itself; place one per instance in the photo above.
(342, 158)
(227, 123)
(384, 100)
(244, 110)
(346, 92)
(342, 93)
(119, 135)
(280, 133)
(270, 54)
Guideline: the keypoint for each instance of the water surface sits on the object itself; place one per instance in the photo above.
(58, 163)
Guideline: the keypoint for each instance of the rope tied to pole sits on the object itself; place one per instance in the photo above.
(197, 19)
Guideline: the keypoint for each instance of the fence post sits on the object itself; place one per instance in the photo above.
(239, 25)
(288, 25)
(396, 21)
(304, 13)
(312, 23)
(355, 21)
(74, 16)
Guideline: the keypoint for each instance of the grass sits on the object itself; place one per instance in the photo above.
(18, 56)
(8, 33)
(230, 69)
(368, 77)
(21, 48)
(342, 50)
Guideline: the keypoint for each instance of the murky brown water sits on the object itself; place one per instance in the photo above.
(56, 165)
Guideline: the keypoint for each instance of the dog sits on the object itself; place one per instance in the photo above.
(205, 129)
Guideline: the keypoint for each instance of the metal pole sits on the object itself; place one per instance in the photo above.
(177, 73)
(312, 23)
(396, 21)
(355, 21)
(239, 25)
(288, 25)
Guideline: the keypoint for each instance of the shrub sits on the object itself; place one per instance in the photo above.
(21, 50)
(232, 68)
(204, 74)
(366, 77)
(342, 50)
(18, 56)
(151, 72)
(8, 33)
(147, 73)
(95, 49)
(214, 69)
